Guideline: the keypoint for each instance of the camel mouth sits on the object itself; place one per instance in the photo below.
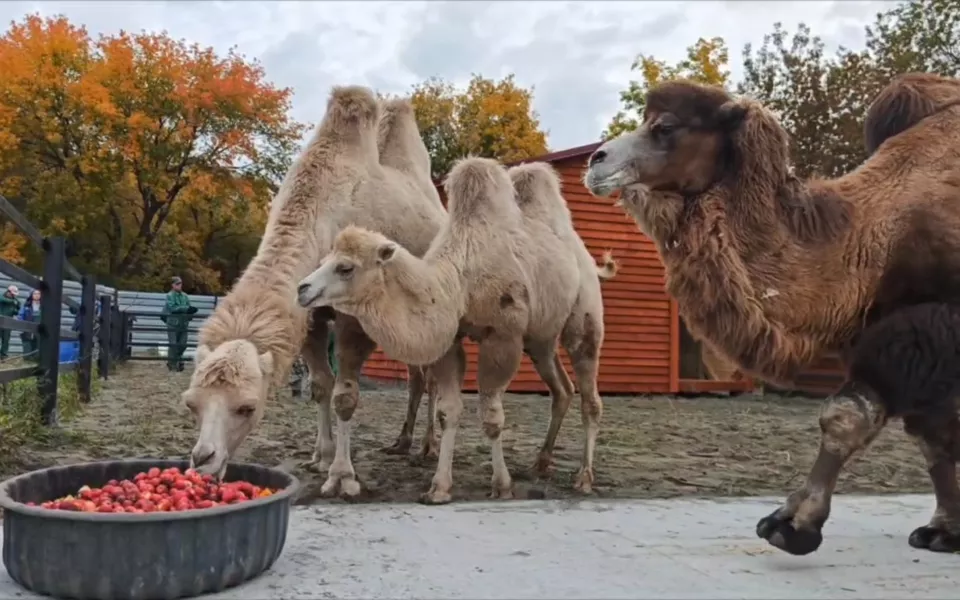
(307, 296)
(217, 466)
(604, 184)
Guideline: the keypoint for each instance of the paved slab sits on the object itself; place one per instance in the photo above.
(596, 549)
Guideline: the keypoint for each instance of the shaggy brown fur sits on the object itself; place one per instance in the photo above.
(772, 271)
(751, 252)
(493, 274)
(908, 99)
(365, 164)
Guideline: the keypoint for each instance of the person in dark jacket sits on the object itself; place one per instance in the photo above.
(177, 314)
(9, 307)
(30, 312)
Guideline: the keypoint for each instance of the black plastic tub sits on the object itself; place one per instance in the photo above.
(161, 555)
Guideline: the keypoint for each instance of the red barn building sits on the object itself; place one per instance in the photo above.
(646, 348)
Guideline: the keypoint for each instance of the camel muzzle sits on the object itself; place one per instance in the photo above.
(306, 295)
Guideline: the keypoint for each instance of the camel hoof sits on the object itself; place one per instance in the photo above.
(400, 447)
(329, 487)
(584, 481)
(349, 488)
(780, 533)
(435, 498)
(501, 494)
(934, 540)
(316, 466)
(544, 465)
(430, 450)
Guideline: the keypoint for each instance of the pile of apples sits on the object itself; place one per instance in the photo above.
(156, 490)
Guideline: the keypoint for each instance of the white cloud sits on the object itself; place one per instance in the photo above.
(576, 54)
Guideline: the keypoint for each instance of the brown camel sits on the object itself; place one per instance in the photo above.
(497, 274)
(772, 271)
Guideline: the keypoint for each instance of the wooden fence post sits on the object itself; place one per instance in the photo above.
(88, 312)
(106, 335)
(49, 334)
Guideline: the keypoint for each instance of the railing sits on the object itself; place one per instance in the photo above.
(48, 330)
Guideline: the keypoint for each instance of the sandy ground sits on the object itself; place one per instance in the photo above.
(649, 447)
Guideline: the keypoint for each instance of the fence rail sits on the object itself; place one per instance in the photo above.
(46, 331)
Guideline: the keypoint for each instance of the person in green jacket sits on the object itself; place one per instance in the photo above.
(177, 314)
(9, 307)
(31, 312)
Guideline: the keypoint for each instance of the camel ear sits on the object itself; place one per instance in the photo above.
(385, 252)
(201, 353)
(266, 363)
(729, 116)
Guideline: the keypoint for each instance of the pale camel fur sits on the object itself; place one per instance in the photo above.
(539, 197)
(358, 168)
(493, 274)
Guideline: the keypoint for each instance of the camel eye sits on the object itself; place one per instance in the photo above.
(244, 411)
(344, 270)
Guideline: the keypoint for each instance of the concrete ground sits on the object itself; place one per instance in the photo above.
(596, 549)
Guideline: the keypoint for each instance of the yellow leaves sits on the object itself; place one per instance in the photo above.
(12, 244)
(490, 118)
(105, 140)
(706, 62)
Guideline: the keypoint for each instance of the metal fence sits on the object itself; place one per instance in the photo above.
(148, 333)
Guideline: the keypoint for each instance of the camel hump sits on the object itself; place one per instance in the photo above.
(352, 105)
(392, 108)
(535, 181)
(906, 101)
(475, 182)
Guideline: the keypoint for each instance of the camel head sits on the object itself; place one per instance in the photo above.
(227, 394)
(682, 146)
(352, 273)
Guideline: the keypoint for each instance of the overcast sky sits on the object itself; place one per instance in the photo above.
(576, 54)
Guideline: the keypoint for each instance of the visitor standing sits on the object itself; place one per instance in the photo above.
(177, 314)
(9, 307)
(30, 312)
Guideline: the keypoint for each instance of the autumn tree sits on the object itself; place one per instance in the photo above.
(706, 62)
(494, 119)
(146, 152)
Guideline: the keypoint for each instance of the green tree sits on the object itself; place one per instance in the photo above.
(822, 100)
(494, 119)
(706, 62)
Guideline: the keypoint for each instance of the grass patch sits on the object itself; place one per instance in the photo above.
(21, 427)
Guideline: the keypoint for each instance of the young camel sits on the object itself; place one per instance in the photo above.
(493, 274)
(357, 168)
(538, 195)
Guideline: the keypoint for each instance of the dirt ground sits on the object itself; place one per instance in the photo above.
(649, 447)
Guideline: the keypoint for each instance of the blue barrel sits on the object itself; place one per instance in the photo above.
(69, 352)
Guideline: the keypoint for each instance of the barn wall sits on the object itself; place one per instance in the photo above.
(640, 340)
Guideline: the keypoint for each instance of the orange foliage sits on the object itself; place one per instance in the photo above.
(117, 142)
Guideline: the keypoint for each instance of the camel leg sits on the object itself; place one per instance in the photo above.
(547, 363)
(314, 354)
(499, 360)
(849, 421)
(940, 444)
(430, 445)
(353, 347)
(448, 375)
(416, 384)
(582, 338)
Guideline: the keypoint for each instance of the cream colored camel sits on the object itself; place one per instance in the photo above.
(494, 274)
(538, 195)
(358, 168)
